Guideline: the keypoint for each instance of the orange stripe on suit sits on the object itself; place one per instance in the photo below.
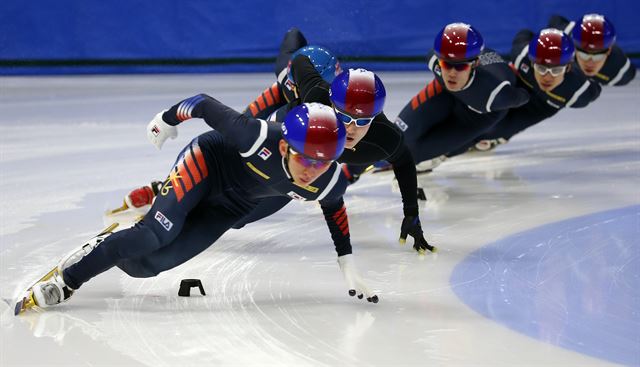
(267, 95)
(422, 96)
(275, 92)
(175, 182)
(438, 86)
(191, 165)
(414, 102)
(254, 109)
(201, 163)
(430, 90)
(184, 176)
(261, 102)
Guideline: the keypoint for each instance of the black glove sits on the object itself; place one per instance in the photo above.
(411, 226)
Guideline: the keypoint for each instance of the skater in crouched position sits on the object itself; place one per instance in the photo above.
(218, 179)
(543, 63)
(473, 88)
(357, 96)
(285, 90)
(597, 54)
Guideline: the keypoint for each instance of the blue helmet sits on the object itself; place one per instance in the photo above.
(551, 47)
(322, 59)
(358, 92)
(312, 130)
(458, 42)
(593, 33)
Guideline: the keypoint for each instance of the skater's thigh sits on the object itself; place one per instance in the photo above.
(192, 179)
(417, 118)
(203, 226)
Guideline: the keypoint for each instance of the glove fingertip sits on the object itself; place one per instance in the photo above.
(360, 296)
(352, 292)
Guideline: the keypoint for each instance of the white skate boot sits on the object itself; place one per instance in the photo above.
(487, 145)
(430, 165)
(51, 289)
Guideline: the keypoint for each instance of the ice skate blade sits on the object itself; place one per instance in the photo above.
(27, 302)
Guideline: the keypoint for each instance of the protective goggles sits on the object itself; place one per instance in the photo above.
(307, 162)
(553, 70)
(459, 66)
(586, 56)
(347, 119)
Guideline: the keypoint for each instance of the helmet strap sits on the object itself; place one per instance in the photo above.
(285, 164)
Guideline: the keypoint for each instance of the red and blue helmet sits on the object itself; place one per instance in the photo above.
(312, 130)
(458, 42)
(325, 62)
(358, 93)
(593, 33)
(551, 47)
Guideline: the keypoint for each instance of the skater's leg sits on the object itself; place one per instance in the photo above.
(429, 108)
(190, 181)
(204, 225)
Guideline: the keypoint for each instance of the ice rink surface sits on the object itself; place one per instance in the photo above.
(539, 243)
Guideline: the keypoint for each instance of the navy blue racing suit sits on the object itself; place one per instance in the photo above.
(383, 141)
(217, 180)
(575, 91)
(438, 121)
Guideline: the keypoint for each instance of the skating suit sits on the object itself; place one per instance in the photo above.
(217, 180)
(383, 142)
(437, 121)
(575, 91)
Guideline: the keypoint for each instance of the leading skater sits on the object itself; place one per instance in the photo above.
(357, 97)
(217, 180)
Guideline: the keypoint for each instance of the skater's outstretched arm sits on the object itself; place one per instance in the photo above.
(240, 130)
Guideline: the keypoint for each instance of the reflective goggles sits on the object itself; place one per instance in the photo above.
(585, 56)
(553, 70)
(347, 119)
(307, 162)
(459, 66)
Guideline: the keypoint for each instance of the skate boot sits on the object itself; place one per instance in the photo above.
(430, 165)
(487, 145)
(51, 289)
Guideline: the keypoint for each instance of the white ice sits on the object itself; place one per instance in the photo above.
(71, 147)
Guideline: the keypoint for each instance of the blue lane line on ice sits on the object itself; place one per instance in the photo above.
(574, 283)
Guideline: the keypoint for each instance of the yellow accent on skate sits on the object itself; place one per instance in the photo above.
(27, 301)
(118, 210)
